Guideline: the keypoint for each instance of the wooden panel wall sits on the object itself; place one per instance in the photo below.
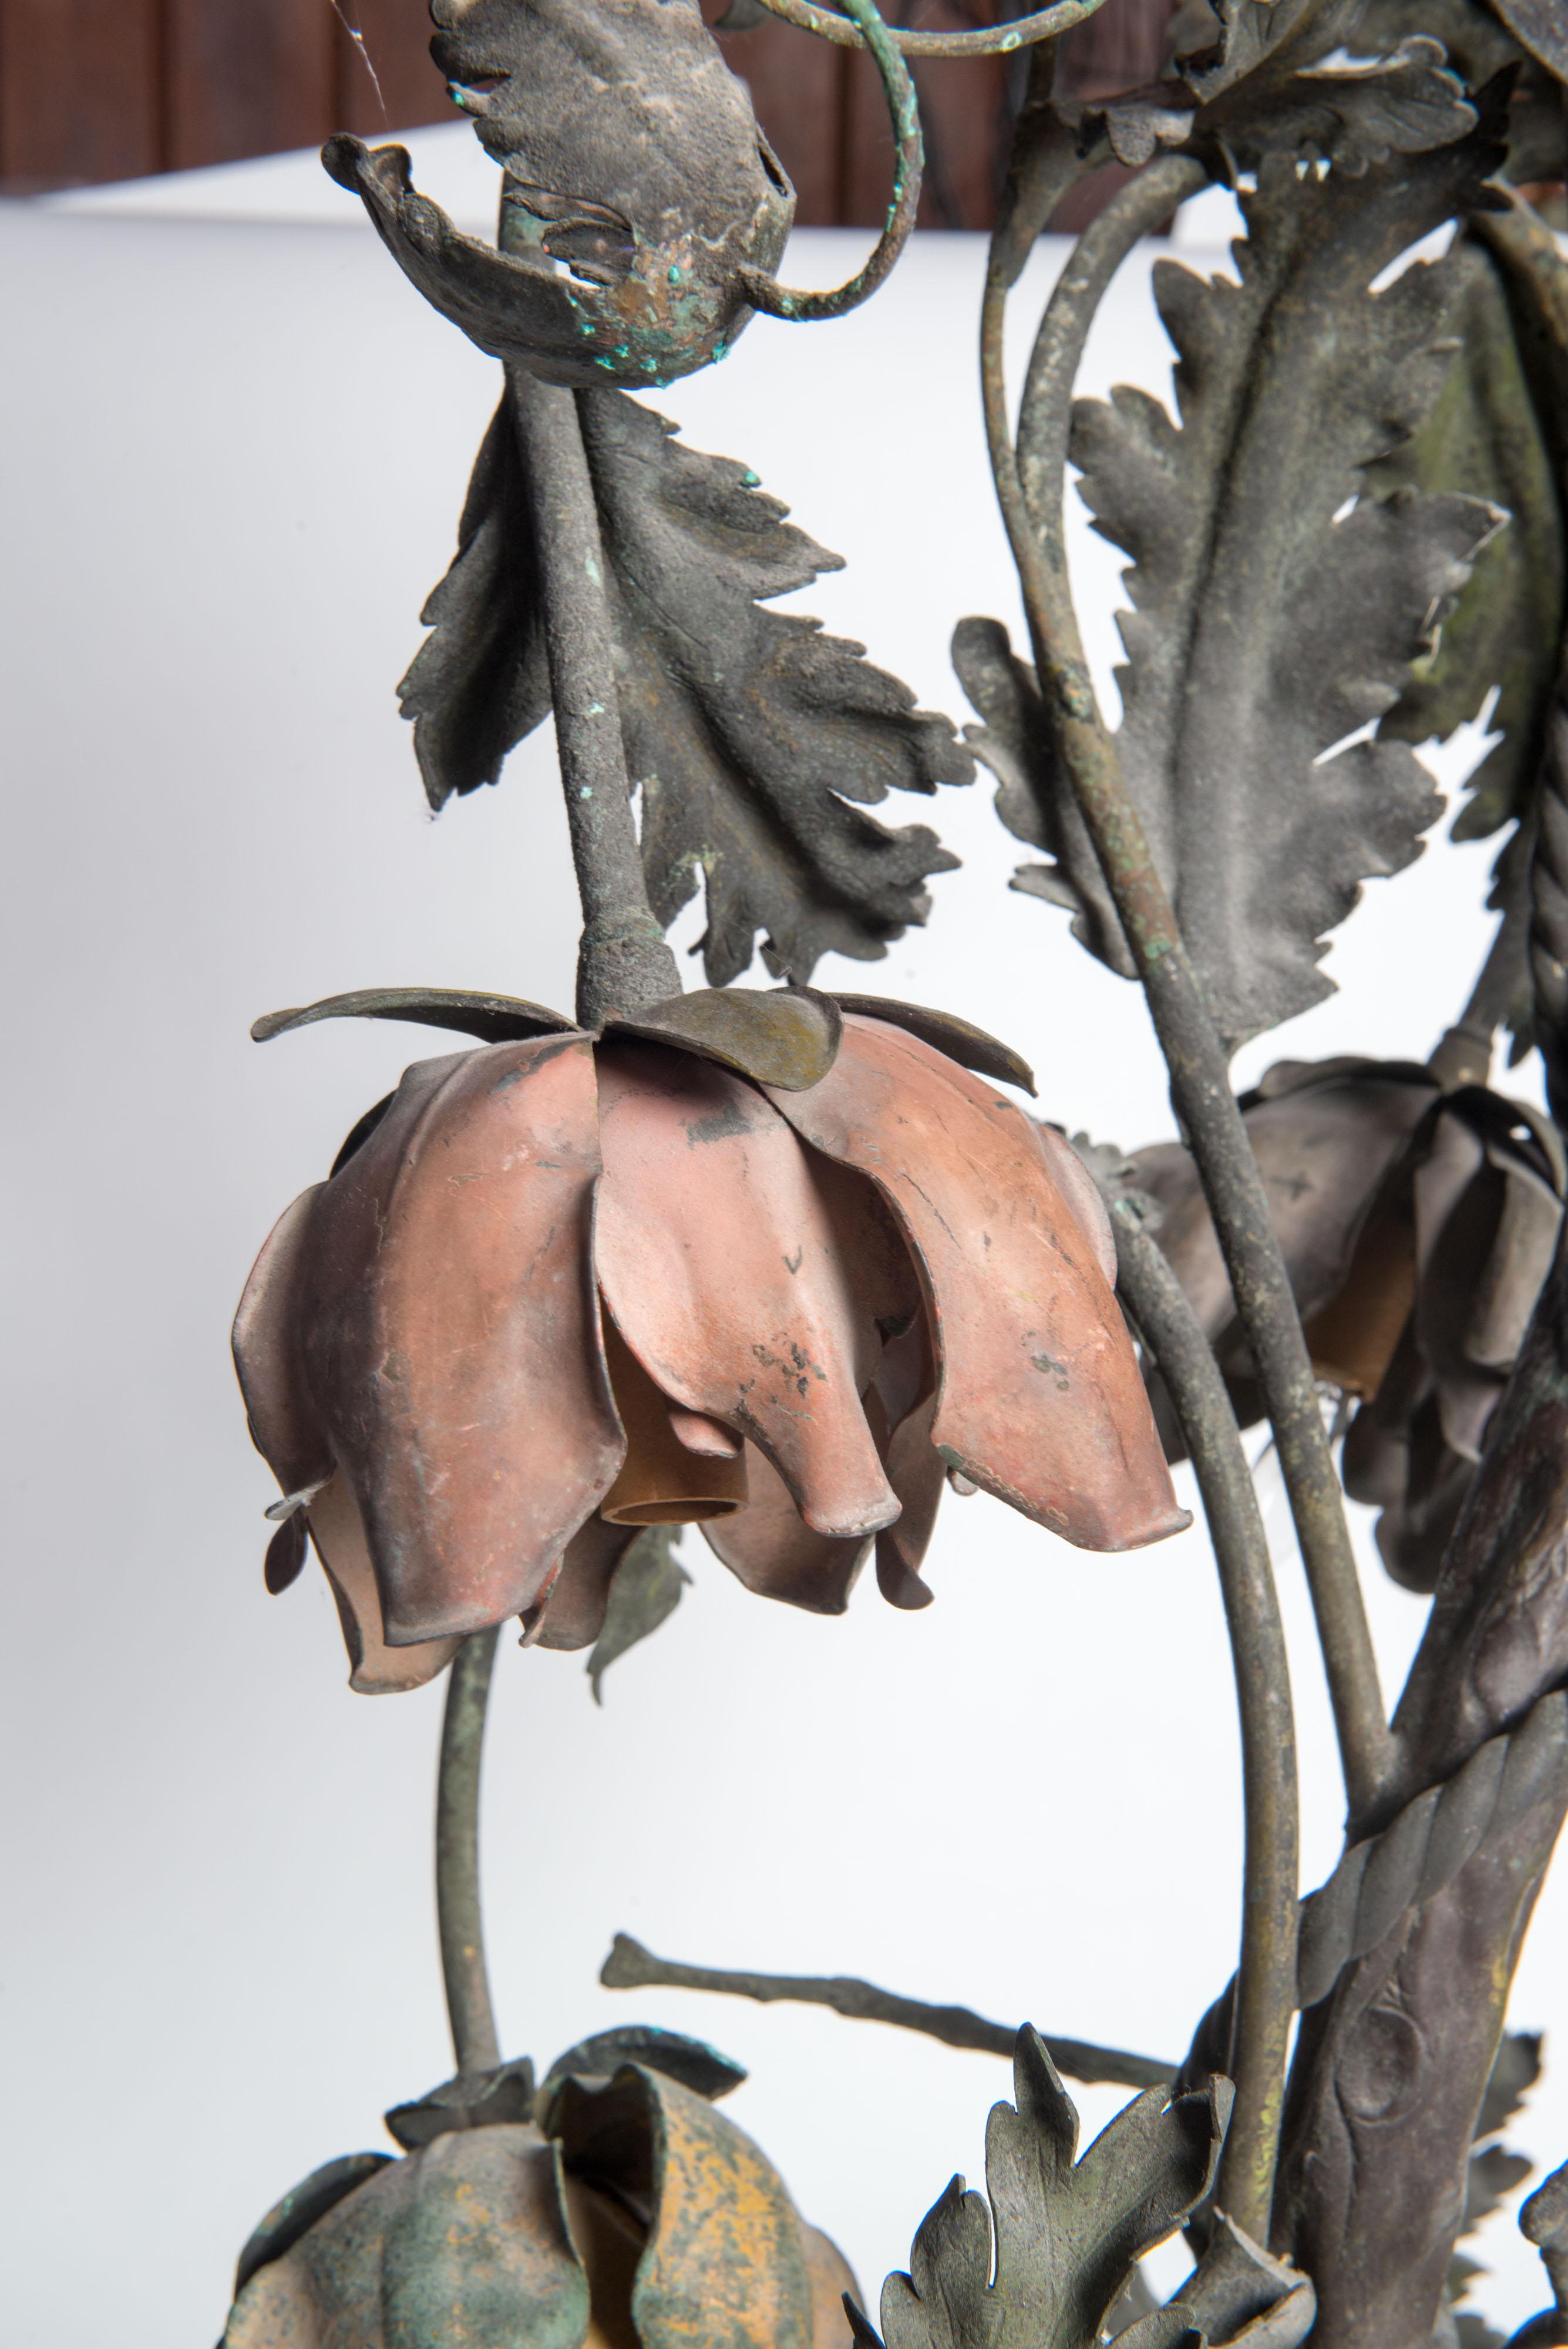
(108, 89)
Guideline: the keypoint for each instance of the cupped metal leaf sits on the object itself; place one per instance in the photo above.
(300, 2208)
(970, 1046)
(787, 1037)
(493, 1019)
(692, 2062)
(644, 1591)
(464, 2242)
(724, 2263)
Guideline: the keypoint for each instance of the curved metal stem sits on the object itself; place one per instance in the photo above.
(459, 1912)
(1266, 1971)
(623, 962)
(631, 1967)
(763, 292)
(1200, 1073)
(993, 41)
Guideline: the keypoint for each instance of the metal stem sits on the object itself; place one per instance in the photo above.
(631, 1967)
(1200, 1075)
(1266, 1972)
(623, 962)
(459, 1912)
(989, 41)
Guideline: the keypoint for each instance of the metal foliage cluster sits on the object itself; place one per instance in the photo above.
(1347, 536)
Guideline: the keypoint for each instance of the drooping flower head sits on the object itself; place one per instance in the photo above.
(759, 1262)
(1417, 1228)
(636, 186)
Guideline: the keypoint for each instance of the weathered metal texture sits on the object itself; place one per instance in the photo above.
(1068, 2234)
(574, 1605)
(375, 1668)
(637, 189)
(666, 1478)
(462, 2241)
(1417, 1228)
(1543, 2222)
(1039, 1400)
(724, 2263)
(719, 1259)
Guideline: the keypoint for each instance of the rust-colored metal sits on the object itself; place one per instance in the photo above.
(661, 1481)
(337, 1531)
(719, 1258)
(573, 1610)
(1039, 1400)
(770, 1548)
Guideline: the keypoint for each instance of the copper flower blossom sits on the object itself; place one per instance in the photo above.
(754, 1261)
(1418, 1227)
(637, 189)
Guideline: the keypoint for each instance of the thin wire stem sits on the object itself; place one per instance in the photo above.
(631, 1967)
(623, 962)
(1266, 1969)
(1200, 1074)
(763, 292)
(459, 1911)
(992, 41)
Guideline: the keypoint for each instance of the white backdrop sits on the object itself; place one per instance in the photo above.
(236, 450)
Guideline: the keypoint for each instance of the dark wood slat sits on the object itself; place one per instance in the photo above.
(248, 77)
(963, 112)
(798, 87)
(78, 91)
(396, 36)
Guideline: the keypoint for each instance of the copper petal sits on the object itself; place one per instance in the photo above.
(919, 1474)
(376, 1670)
(454, 1346)
(1082, 1192)
(769, 1547)
(575, 1611)
(1040, 1402)
(720, 1260)
(267, 1341)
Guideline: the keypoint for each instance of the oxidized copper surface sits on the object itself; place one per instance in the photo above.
(1039, 1399)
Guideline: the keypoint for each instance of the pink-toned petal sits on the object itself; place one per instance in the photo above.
(574, 1612)
(454, 1348)
(769, 1547)
(1039, 1399)
(701, 1434)
(662, 1481)
(269, 1356)
(918, 1474)
(1082, 1192)
(722, 1263)
(376, 1670)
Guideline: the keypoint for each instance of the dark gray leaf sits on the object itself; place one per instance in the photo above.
(757, 741)
(789, 1037)
(692, 2062)
(1541, 27)
(1032, 798)
(493, 1019)
(1241, 2293)
(480, 681)
(1354, 116)
(1484, 438)
(645, 1592)
(1067, 2237)
(498, 2098)
(1269, 622)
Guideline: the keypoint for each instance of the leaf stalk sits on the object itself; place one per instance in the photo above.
(1200, 1074)
(623, 962)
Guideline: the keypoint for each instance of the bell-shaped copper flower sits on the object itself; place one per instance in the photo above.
(613, 2208)
(1417, 1228)
(636, 188)
(714, 1268)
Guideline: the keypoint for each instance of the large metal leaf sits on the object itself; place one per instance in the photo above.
(1068, 2234)
(1278, 606)
(757, 741)
(1485, 437)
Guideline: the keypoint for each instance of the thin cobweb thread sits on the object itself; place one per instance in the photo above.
(357, 37)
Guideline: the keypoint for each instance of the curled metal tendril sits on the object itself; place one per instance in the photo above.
(990, 41)
(763, 291)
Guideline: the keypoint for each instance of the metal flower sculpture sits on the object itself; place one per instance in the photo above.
(611, 2204)
(780, 1264)
(1417, 1227)
(636, 185)
(776, 1272)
